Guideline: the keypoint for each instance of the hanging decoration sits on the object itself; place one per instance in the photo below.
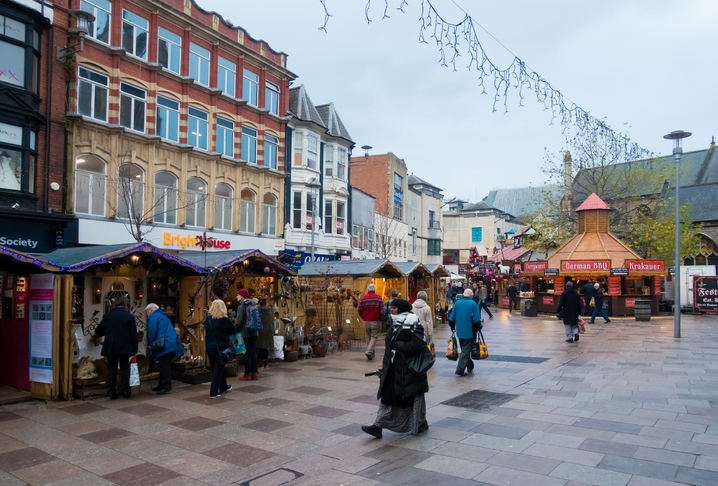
(453, 40)
(474, 259)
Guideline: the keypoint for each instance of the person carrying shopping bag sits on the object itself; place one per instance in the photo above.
(598, 304)
(165, 345)
(465, 319)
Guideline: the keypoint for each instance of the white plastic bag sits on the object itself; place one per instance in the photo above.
(134, 372)
(278, 347)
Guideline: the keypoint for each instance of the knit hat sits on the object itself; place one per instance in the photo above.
(401, 305)
(244, 293)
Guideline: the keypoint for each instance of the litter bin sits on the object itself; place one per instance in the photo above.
(530, 308)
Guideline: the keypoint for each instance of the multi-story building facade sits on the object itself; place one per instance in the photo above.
(319, 182)
(31, 171)
(424, 214)
(176, 119)
(474, 225)
(384, 177)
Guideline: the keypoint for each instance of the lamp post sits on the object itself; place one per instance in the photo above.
(313, 187)
(677, 136)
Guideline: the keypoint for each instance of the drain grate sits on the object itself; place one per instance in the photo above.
(480, 400)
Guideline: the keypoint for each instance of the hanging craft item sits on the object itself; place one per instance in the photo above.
(205, 242)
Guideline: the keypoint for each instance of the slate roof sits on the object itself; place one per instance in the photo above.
(412, 180)
(438, 270)
(515, 201)
(25, 258)
(227, 258)
(357, 268)
(413, 267)
(334, 124)
(509, 253)
(302, 107)
(481, 205)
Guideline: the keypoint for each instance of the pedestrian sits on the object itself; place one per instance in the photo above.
(370, 308)
(449, 295)
(511, 292)
(588, 291)
(218, 328)
(483, 295)
(386, 310)
(569, 308)
(249, 335)
(265, 340)
(465, 320)
(423, 312)
(165, 345)
(598, 303)
(120, 331)
(403, 406)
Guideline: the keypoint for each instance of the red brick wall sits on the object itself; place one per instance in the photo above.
(372, 176)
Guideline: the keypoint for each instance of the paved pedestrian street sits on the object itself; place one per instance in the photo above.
(627, 405)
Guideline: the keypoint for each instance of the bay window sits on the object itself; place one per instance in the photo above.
(297, 210)
(312, 151)
(328, 216)
(342, 163)
(328, 161)
(340, 217)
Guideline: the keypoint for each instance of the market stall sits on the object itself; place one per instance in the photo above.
(440, 278)
(508, 264)
(334, 290)
(594, 253)
(416, 278)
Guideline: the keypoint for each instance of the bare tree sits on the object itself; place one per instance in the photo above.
(126, 198)
(388, 236)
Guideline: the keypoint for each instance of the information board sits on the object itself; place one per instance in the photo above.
(656, 285)
(548, 299)
(558, 286)
(631, 302)
(41, 327)
(705, 293)
(614, 285)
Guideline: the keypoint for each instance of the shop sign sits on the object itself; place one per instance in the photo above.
(462, 268)
(614, 285)
(558, 286)
(548, 299)
(656, 285)
(340, 225)
(631, 302)
(705, 293)
(29, 236)
(671, 271)
(505, 301)
(190, 241)
(619, 272)
(634, 277)
(41, 290)
(301, 257)
(645, 266)
(585, 265)
(551, 272)
(397, 195)
(345, 258)
(535, 266)
(10, 134)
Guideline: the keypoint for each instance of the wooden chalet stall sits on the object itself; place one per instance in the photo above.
(35, 307)
(333, 290)
(94, 276)
(417, 277)
(440, 277)
(597, 254)
(503, 280)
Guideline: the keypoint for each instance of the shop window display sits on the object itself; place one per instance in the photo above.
(10, 169)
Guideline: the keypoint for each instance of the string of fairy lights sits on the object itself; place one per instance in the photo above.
(457, 40)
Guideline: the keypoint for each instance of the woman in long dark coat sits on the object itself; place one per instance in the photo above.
(570, 306)
(219, 328)
(403, 407)
(265, 341)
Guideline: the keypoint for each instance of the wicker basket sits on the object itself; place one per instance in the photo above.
(291, 355)
(319, 350)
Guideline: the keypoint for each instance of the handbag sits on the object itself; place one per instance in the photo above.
(452, 352)
(592, 303)
(581, 325)
(420, 362)
(480, 351)
(134, 372)
(238, 342)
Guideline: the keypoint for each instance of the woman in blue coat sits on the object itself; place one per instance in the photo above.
(159, 327)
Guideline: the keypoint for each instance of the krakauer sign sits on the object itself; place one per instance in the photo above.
(638, 266)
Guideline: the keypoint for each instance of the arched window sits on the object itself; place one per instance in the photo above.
(90, 185)
(223, 206)
(196, 202)
(247, 211)
(165, 198)
(131, 192)
(269, 215)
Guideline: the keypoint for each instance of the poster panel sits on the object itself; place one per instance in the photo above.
(705, 291)
(41, 327)
(614, 285)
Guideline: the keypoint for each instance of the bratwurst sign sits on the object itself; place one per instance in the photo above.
(705, 293)
(583, 266)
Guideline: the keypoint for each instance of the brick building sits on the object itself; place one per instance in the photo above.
(31, 132)
(175, 118)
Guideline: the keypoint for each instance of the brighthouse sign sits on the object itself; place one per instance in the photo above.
(190, 241)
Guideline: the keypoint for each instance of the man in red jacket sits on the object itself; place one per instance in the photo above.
(370, 311)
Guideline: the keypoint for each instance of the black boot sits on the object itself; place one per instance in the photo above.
(372, 430)
(423, 427)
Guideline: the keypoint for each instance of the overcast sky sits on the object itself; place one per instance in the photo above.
(649, 65)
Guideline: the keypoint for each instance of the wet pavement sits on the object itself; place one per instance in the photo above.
(626, 405)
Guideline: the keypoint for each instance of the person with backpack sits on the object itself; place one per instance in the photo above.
(248, 323)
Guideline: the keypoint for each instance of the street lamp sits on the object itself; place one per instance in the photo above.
(314, 187)
(677, 136)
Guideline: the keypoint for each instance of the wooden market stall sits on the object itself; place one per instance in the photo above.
(508, 274)
(333, 290)
(597, 254)
(417, 277)
(438, 284)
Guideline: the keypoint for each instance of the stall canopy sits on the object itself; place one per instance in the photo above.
(19, 259)
(509, 253)
(355, 268)
(413, 268)
(224, 259)
(593, 240)
(438, 270)
(83, 257)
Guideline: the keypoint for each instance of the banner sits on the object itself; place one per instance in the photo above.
(548, 299)
(41, 327)
(614, 285)
(645, 266)
(705, 293)
(585, 265)
(535, 266)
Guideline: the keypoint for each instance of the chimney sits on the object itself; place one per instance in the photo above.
(567, 178)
